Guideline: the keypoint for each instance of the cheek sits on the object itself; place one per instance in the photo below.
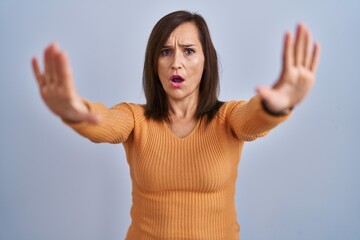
(200, 62)
(198, 67)
(160, 70)
(163, 76)
(162, 67)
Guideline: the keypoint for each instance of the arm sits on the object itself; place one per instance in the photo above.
(272, 105)
(248, 120)
(116, 125)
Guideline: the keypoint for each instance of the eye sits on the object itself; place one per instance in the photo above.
(165, 52)
(189, 51)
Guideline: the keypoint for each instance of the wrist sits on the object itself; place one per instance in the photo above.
(275, 113)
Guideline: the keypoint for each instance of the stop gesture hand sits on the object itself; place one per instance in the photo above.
(300, 61)
(57, 88)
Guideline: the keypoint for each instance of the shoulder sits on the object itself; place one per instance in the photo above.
(135, 110)
(228, 107)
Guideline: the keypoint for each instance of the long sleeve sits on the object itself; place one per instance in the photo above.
(182, 188)
(116, 125)
(248, 120)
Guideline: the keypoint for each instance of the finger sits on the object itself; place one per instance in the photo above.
(55, 77)
(288, 51)
(307, 48)
(63, 70)
(49, 64)
(36, 71)
(299, 46)
(315, 58)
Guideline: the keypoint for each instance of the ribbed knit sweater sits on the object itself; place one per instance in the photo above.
(183, 188)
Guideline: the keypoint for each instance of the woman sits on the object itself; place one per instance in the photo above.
(183, 146)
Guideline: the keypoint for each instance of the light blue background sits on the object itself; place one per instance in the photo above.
(300, 182)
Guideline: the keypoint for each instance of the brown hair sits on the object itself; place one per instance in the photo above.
(156, 106)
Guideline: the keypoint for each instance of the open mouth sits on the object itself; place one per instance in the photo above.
(176, 81)
(176, 78)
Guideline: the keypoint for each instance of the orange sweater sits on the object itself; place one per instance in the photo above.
(183, 188)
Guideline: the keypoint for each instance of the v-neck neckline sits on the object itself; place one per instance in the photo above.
(168, 129)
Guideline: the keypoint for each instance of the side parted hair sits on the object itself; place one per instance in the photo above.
(156, 106)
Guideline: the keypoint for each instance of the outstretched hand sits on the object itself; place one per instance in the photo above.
(57, 88)
(300, 61)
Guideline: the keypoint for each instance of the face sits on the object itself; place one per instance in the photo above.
(181, 63)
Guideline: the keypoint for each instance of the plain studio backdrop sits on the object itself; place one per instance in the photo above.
(299, 182)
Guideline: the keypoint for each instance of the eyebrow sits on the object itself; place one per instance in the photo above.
(181, 45)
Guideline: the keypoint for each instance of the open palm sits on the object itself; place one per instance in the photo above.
(57, 88)
(300, 61)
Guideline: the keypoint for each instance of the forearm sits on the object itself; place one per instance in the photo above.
(249, 120)
(115, 126)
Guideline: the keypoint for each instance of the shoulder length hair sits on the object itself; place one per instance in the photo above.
(156, 106)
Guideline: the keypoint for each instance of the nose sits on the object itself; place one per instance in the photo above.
(177, 61)
(175, 67)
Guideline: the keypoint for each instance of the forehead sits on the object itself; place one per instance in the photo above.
(185, 33)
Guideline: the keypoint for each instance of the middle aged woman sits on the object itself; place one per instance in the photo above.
(184, 145)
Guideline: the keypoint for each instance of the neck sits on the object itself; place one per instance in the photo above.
(183, 109)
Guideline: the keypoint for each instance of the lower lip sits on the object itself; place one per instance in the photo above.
(176, 84)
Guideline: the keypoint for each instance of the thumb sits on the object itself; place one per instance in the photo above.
(266, 93)
(92, 118)
(275, 101)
